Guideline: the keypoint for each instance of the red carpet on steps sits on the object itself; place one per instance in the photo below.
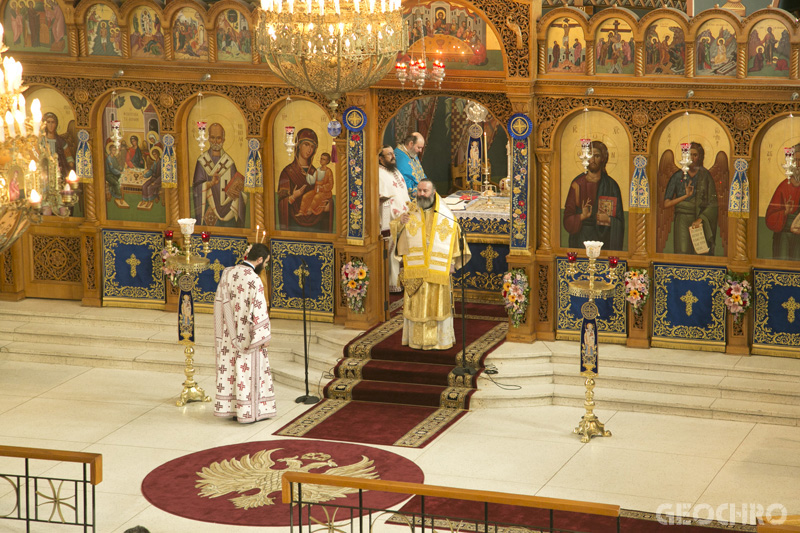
(380, 380)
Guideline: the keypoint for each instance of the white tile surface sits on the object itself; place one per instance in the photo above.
(128, 415)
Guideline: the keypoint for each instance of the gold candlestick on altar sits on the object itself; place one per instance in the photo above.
(598, 284)
(188, 264)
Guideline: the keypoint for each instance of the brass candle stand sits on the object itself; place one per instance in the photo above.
(488, 189)
(188, 264)
(600, 283)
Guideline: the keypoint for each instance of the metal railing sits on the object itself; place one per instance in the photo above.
(53, 500)
(362, 519)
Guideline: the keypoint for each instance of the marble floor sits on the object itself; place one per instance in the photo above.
(653, 462)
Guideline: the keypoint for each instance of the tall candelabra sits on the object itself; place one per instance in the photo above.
(599, 283)
(186, 264)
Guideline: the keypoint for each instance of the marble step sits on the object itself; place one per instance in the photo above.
(688, 362)
(759, 387)
(678, 404)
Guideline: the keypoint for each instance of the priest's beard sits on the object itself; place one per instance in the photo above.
(389, 166)
(425, 202)
(258, 269)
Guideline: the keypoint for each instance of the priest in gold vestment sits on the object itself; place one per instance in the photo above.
(428, 241)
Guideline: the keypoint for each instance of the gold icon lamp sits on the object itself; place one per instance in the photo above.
(600, 283)
(187, 264)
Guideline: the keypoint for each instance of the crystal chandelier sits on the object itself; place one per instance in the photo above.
(331, 48)
(417, 70)
(28, 173)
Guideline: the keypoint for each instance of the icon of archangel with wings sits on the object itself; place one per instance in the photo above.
(697, 198)
(257, 472)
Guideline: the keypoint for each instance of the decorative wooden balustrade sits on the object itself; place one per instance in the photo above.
(70, 502)
(292, 483)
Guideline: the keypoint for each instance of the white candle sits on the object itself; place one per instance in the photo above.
(358, 6)
(72, 177)
(36, 198)
(485, 153)
(321, 7)
(10, 123)
(1, 33)
(36, 114)
(19, 118)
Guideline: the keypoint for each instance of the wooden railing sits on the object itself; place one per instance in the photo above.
(416, 489)
(75, 509)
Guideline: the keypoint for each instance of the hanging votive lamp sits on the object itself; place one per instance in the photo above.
(289, 140)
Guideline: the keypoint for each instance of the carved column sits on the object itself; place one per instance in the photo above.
(174, 207)
(741, 60)
(590, 58)
(169, 53)
(640, 237)
(212, 45)
(90, 203)
(740, 251)
(125, 41)
(690, 62)
(639, 65)
(545, 229)
(82, 41)
(542, 57)
(795, 68)
(91, 257)
(73, 35)
(258, 208)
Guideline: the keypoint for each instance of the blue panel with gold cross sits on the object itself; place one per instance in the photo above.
(225, 252)
(311, 262)
(132, 275)
(484, 271)
(688, 306)
(776, 315)
(612, 321)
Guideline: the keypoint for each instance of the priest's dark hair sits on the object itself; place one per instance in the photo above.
(257, 251)
(426, 180)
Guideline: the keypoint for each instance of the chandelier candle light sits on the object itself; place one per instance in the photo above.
(333, 47)
(600, 283)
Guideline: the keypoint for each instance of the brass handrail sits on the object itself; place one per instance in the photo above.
(420, 489)
(94, 460)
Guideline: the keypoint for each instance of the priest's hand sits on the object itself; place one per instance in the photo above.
(404, 218)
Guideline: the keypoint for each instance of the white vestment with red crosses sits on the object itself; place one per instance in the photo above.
(241, 335)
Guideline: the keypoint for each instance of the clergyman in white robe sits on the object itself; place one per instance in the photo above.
(241, 335)
(394, 202)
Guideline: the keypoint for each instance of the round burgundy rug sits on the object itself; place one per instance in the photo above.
(240, 484)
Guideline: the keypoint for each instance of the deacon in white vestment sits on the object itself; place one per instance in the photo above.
(241, 335)
(428, 241)
(394, 202)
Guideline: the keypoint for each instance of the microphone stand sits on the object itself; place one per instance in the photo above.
(307, 398)
(462, 369)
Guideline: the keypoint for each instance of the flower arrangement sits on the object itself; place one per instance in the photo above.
(515, 294)
(169, 251)
(637, 288)
(737, 294)
(355, 280)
